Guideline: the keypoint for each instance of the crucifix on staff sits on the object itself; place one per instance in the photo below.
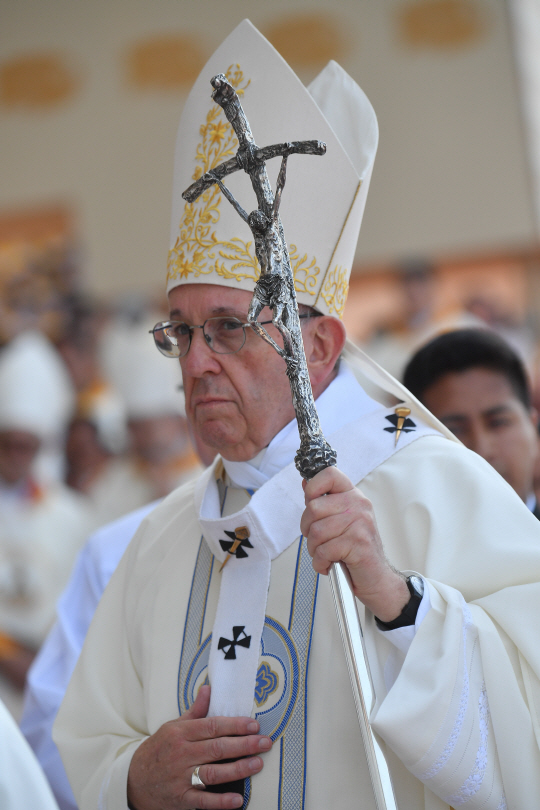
(275, 286)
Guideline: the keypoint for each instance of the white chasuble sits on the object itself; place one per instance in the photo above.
(459, 702)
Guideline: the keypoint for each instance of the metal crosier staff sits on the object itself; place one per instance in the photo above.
(275, 289)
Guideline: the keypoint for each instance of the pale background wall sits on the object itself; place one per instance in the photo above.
(450, 176)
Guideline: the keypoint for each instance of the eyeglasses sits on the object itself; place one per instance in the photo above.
(224, 335)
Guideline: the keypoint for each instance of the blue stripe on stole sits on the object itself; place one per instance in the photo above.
(292, 778)
(195, 616)
(194, 624)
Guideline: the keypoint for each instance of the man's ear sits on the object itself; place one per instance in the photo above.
(324, 341)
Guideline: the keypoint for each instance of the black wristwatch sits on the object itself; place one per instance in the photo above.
(408, 615)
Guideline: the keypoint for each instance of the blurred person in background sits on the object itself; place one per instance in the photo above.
(95, 447)
(494, 313)
(79, 343)
(42, 523)
(37, 279)
(392, 347)
(128, 443)
(476, 384)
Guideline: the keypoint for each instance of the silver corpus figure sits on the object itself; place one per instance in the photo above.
(275, 287)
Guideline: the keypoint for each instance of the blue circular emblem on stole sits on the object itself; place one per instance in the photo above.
(276, 688)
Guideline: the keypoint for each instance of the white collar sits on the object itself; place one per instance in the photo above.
(344, 401)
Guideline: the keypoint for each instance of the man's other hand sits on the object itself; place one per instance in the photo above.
(340, 526)
(160, 772)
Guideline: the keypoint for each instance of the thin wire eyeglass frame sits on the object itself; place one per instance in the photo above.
(162, 326)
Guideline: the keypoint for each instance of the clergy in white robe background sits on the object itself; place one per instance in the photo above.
(43, 523)
(456, 675)
(54, 664)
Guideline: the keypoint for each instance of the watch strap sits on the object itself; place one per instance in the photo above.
(408, 615)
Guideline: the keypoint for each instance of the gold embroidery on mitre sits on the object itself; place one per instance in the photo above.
(335, 290)
(326, 285)
(197, 249)
(304, 272)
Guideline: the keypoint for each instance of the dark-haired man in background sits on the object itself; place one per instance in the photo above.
(477, 386)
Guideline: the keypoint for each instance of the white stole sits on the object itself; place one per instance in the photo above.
(272, 519)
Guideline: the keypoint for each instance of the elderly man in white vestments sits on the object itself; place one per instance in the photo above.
(214, 661)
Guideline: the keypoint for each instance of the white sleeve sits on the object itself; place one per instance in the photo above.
(22, 783)
(461, 712)
(461, 763)
(402, 638)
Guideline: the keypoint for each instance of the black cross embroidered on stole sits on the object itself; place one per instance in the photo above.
(229, 647)
(238, 542)
(407, 427)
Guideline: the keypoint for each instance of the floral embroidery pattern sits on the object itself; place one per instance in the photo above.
(473, 783)
(335, 290)
(197, 249)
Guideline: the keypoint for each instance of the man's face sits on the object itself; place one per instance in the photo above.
(236, 403)
(481, 408)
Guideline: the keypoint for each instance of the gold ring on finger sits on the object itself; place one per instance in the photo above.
(196, 780)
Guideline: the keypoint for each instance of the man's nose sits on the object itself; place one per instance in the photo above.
(200, 358)
(482, 443)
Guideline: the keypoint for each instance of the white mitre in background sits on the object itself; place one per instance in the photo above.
(36, 393)
(148, 383)
(37, 396)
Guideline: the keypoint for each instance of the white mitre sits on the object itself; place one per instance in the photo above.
(36, 393)
(323, 200)
(148, 383)
(324, 197)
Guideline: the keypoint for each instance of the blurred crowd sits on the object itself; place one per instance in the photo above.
(92, 426)
(421, 317)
